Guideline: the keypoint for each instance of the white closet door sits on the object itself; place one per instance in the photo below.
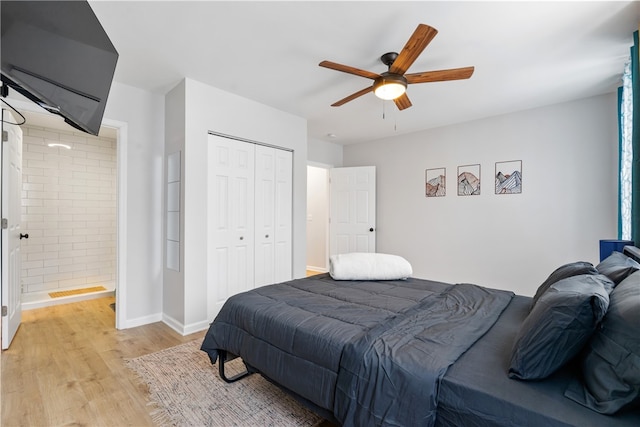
(264, 215)
(283, 216)
(274, 194)
(231, 218)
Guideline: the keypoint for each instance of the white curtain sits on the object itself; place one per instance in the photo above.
(626, 153)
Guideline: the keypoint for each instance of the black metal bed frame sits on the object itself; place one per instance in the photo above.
(224, 357)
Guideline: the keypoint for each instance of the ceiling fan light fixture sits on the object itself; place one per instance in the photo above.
(389, 86)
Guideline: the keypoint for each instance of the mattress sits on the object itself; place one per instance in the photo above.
(349, 349)
(372, 352)
(476, 390)
(305, 324)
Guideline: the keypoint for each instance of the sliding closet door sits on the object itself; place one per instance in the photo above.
(231, 218)
(273, 200)
(250, 200)
(265, 210)
(283, 216)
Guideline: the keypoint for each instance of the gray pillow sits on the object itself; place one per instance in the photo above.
(562, 272)
(611, 364)
(617, 267)
(558, 326)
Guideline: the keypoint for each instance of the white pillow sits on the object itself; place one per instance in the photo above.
(368, 266)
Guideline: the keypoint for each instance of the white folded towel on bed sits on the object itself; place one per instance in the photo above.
(368, 266)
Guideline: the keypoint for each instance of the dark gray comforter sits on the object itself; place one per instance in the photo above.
(390, 376)
(373, 353)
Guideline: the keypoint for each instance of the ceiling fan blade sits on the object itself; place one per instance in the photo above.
(352, 96)
(440, 75)
(348, 69)
(419, 40)
(402, 102)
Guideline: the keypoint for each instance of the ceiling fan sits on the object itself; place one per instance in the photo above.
(392, 84)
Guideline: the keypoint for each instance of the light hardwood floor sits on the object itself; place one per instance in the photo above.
(66, 366)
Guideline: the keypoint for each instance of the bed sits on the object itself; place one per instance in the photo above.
(406, 351)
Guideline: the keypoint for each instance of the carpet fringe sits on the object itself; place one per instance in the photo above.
(160, 416)
(158, 413)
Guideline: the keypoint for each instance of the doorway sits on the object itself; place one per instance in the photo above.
(119, 131)
(317, 219)
(69, 213)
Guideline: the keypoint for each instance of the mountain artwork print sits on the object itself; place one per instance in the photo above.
(509, 177)
(436, 182)
(469, 180)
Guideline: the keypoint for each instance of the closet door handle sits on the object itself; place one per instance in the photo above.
(241, 237)
(266, 236)
(24, 236)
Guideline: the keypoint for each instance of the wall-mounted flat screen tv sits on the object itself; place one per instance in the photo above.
(57, 54)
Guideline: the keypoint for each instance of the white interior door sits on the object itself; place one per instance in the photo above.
(283, 216)
(265, 211)
(352, 217)
(11, 212)
(231, 218)
(274, 181)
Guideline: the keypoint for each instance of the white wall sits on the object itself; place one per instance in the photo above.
(210, 109)
(173, 289)
(325, 153)
(68, 210)
(142, 113)
(568, 202)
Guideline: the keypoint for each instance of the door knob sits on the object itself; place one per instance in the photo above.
(24, 236)
(371, 229)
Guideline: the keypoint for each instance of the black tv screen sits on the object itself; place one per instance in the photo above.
(57, 54)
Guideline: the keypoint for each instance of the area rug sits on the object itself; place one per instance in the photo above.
(185, 390)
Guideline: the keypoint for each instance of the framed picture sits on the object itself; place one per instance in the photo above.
(436, 182)
(509, 177)
(469, 180)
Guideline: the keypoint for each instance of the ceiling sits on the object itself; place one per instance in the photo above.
(526, 55)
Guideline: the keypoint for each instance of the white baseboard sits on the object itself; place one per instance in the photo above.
(196, 327)
(140, 321)
(182, 329)
(318, 269)
(46, 301)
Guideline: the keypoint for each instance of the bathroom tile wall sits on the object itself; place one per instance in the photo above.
(68, 210)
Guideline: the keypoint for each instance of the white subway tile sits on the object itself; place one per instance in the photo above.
(30, 155)
(72, 268)
(32, 202)
(66, 172)
(69, 209)
(26, 265)
(58, 232)
(32, 171)
(73, 282)
(47, 134)
(86, 162)
(57, 262)
(30, 249)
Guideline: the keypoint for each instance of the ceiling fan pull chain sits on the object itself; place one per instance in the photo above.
(395, 121)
